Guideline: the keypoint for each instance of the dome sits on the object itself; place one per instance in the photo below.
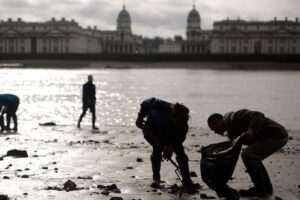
(194, 14)
(124, 14)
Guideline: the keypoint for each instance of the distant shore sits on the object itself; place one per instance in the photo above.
(78, 64)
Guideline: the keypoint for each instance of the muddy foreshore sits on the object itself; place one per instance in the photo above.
(95, 161)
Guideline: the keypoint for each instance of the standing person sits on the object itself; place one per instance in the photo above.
(165, 129)
(10, 104)
(263, 137)
(88, 101)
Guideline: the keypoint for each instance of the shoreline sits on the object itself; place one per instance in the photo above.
(83, 64)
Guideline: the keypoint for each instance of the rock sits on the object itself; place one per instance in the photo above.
(5, 177)
(17, 153)
(193, 174)
(139, 160)
(25, 193)
(105, 192)
(110, 188)
(47, 124)
(25, 176)
(44, 167)
(116, 198)
(81, 177)
(129, 167)
(299, 186)
(69, 186)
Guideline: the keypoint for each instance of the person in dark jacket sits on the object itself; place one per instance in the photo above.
(9, 104)
(263, 137)
(88, 101)
(165, 129)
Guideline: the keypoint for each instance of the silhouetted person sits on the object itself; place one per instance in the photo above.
(165, 129)
(1, 119)
(10, 104)
(263, 137)
(88, 101)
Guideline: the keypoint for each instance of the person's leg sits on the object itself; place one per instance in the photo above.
(93, 111)
(8, 116)
(14, 115)
(156, 154)
(252, 157)
(182, 160)
(15, 119)
(84, 109)
(1, 123)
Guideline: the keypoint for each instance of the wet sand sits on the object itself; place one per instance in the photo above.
(118, 155)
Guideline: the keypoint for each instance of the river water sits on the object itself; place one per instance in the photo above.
(55, 95)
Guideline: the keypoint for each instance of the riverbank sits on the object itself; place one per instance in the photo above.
(78, 64)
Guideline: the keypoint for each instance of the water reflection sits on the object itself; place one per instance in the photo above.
(48, 95)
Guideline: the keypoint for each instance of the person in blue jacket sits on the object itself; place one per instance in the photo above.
(165, 126)
(10, 104)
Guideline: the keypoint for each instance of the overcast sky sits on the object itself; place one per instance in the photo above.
(150, 18)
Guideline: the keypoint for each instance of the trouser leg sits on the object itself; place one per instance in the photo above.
(254, 155)
(15, 119)
(1, 123)
(156, 153)
(93, 118)
(8, 116)
(84, 109)
(182, 160)
(156, 163)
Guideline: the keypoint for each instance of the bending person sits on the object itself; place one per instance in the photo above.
(263, 137)
(165, 129)
(10, 102)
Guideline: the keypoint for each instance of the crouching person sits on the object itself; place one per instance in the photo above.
(165, 128)
(263, 137)
(10, 104)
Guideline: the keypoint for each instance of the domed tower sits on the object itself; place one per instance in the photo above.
(193, 24)
(124, 21)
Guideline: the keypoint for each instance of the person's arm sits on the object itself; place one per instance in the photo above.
(256, 121)
(144, 111)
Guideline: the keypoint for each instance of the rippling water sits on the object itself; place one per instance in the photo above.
(55, 95)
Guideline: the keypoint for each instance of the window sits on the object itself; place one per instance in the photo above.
(245, 49)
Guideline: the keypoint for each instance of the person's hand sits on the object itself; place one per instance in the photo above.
(247, 136)
(140, 123)
(168, 152)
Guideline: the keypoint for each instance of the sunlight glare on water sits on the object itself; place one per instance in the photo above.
(55, 95)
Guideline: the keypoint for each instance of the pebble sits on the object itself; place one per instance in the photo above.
(116, 198)
(105, 192)
(5, 177)
(139, 160)
(69, 185)
(24, 176)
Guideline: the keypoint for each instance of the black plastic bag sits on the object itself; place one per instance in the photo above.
(218, 162)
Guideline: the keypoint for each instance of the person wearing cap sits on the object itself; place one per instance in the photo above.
(88, 101)
(263, 136)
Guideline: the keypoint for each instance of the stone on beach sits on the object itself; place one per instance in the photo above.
(17, 153)
(69, 186)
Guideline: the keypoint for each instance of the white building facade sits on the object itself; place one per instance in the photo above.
(51, 37)
(65, 37)
(197, 40)
(256, 37)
